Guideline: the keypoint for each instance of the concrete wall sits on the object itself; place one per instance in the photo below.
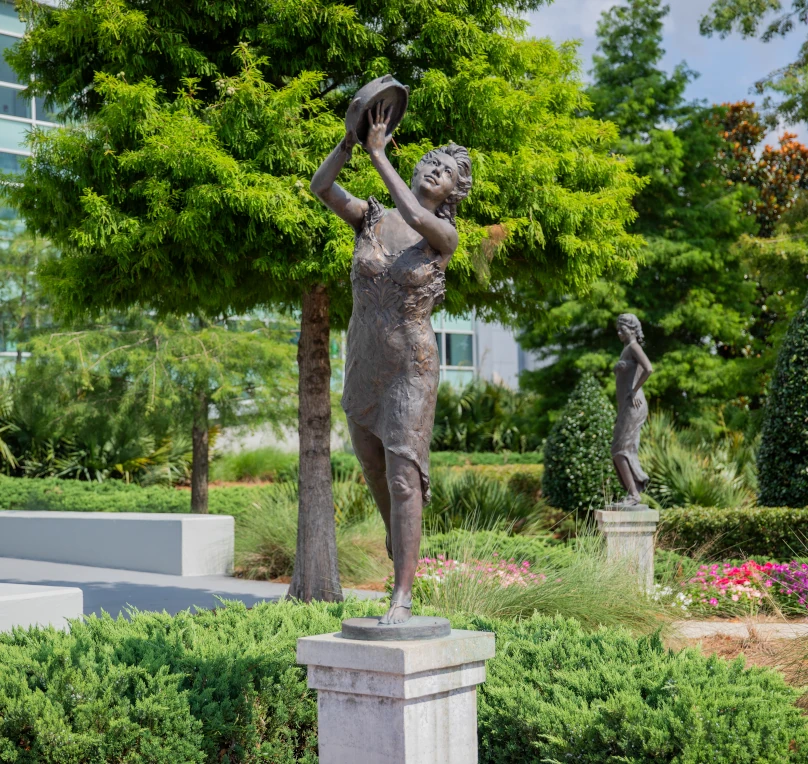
(25, 606)
(180, 545)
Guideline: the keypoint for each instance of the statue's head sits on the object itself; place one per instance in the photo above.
(629, 327)
(443, 175)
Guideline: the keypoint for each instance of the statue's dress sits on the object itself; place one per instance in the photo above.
(626, 441)
(392, 369)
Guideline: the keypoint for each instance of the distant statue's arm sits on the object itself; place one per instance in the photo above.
(646, 370)
(330, 193)
(441, 235)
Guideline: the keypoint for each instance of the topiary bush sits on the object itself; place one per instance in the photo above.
(223, 686)
(578, 471)
(783, 455)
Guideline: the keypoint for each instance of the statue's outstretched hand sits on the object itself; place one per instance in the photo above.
(378, 120)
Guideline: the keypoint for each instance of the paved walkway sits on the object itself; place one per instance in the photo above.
(740, 630)
(115, 590)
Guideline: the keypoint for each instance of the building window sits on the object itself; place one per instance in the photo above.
(7, 41)
(10, 162)
(18, 114)
(13, 104)
(456, 345)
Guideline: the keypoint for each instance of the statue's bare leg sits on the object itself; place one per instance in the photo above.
(404, 481)
(627, 479)
(370, 452)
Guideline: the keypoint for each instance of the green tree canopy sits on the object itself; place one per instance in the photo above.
(183, 183)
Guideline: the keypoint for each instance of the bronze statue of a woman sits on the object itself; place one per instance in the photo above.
(631, 372)
(392, 367)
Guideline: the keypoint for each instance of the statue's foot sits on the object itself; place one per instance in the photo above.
(388, 545)
(631, 501)
(399, 612)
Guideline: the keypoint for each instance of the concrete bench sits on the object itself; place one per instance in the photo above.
(180, 545)
(25, 606)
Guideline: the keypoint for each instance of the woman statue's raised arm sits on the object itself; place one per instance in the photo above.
(330, 193)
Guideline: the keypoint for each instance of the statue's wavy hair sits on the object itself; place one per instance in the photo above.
(630, 321)
(448, 210)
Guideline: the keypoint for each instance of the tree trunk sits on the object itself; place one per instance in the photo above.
(316, 575)
(199, 466)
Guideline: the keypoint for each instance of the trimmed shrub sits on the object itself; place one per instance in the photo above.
(479, 458)
(223, 686)
(783, 455)
(773, 533)
(115, 496)
(555, 693)
(578, 470)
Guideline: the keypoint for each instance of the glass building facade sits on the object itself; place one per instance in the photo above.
(18, 114)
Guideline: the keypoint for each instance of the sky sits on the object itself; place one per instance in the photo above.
(728, 68)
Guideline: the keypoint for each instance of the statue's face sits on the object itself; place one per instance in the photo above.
(624, 333)
(436, 177)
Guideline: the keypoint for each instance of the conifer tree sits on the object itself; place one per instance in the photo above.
(783, 455)
(578, 469)
(183, 182)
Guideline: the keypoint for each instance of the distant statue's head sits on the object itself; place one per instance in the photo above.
(629, 327)
(444, 176)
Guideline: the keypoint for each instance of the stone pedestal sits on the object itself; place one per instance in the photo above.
(629, 534)
(397, 702)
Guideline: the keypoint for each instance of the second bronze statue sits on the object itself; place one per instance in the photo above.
(631, 373)
(392, 368)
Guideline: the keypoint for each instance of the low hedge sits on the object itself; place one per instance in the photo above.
(480, 458)
(776, 533)
(222, 686)
(115, 496)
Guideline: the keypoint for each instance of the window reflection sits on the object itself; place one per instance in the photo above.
(10, 162)
(6, 72)
(459, 350)
(12, 104)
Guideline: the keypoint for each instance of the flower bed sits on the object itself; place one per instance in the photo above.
(748, 588)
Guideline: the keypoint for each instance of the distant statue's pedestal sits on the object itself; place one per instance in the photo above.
(410, 701)
(629, 532)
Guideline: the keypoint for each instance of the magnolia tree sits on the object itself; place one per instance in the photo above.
(183, 181)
